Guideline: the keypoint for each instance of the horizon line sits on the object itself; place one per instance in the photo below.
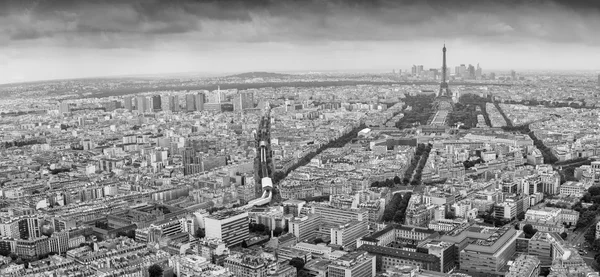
(227, 74)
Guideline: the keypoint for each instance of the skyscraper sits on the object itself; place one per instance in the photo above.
(463, 71)
(199, 100)
(420, 70)
(156, 103)
(64, 107)
(244, 100)
(471, 72)
(513, 75)
(190, 105)
(478, 72)
(128, 103)
(149, 104)
(141, 104)
(599, 80)
(174, 103)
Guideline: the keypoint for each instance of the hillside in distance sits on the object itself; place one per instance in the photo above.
(259, 74)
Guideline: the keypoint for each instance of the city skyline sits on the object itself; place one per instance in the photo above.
(45, 40)
(293, 138)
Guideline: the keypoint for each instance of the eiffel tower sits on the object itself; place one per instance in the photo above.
(444, 90)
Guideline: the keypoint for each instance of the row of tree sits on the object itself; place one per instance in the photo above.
(19, 113)
(465, 114)
(320, 198)
(549, 157)
(523, 129)
(422, 162)
(435, 182)
(396, 209)
(264, 229)
(508, 121)
(465, 111)
(468, 164)
(551, 104)
(130, 234)
(420, 112)
(567, 168)
(22, 142)
(212, 210)
(587, 216)
(529, 230)
(388, 183)
(414, 162)
(337, 143)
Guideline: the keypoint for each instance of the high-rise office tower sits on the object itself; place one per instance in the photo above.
(471, 72)
(149, 104)
(156, 103)
(141, 104)
(478, 72)
(244, 100)
(463, 71)
(414, 70)
(433, 73)
(220, 94)
(128, 103)
(64, 108)
(513, 75)
(174, 103)
(492, 76)
(419, 70)
(190, 105)
(199, 100)
(247, 99)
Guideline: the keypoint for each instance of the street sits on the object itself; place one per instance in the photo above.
(577, 238)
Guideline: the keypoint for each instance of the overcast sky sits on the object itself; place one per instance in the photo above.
(77, 38)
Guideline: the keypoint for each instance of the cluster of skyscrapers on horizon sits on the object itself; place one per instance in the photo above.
(197, 101)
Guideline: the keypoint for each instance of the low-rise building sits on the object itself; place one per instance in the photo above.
(489, 257)
(524, 266)
(355, 264)
(243, 265)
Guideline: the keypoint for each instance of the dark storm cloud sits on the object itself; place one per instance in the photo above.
(117, 22)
